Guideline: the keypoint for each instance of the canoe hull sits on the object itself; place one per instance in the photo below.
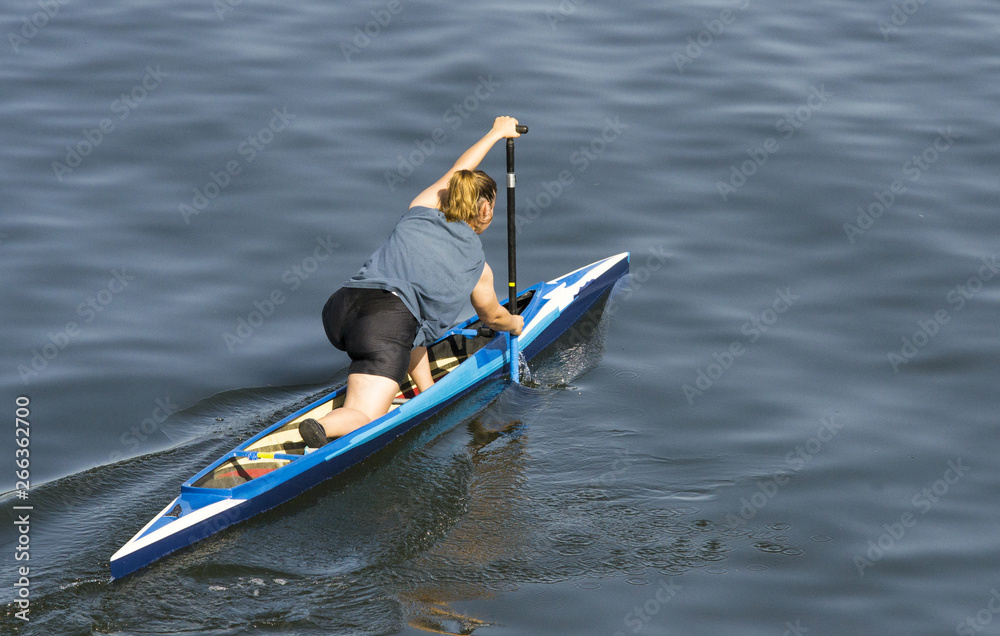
(201, 511)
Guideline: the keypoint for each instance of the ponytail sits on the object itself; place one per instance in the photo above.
(465, 191)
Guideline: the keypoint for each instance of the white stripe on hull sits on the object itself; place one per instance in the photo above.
(186, 521)
(561, 297)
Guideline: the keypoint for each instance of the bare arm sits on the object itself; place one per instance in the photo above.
(489, 309)
(502, 127)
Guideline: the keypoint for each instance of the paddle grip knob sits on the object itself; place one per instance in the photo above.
(520, 129)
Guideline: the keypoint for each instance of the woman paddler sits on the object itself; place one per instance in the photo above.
(411, 290)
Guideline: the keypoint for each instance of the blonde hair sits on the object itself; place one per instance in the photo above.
(466, 189)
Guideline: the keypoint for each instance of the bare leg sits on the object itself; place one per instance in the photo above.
(368, 397)
(420, 368)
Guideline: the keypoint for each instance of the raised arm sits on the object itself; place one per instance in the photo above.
(489, 309)
(503, 127)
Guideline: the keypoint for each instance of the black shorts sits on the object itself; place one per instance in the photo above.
(374, 327)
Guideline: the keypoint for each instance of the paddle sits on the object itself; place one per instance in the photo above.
(512, 254)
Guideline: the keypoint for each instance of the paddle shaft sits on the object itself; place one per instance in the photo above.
(512, 252)
(511, 225)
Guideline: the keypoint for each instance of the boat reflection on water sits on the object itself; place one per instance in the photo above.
(490, 547)
(493, 530)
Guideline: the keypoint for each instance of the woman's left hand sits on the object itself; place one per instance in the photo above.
(504, 126)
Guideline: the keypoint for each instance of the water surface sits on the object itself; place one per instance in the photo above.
(811, 186)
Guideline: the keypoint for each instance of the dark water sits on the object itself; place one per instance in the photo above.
(790, 426)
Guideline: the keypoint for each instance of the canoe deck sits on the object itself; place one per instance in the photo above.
(444, 357)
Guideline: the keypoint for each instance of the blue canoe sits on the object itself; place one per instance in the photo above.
(275, 465)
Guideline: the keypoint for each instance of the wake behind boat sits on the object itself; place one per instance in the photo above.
(275, 465)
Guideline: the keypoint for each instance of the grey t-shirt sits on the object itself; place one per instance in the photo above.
(431, 264)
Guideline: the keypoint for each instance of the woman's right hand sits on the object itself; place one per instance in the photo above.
(518, 325)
